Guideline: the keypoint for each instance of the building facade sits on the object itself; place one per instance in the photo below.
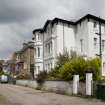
(58, 35)
(1, 65)
(24, 59)
(38, 50)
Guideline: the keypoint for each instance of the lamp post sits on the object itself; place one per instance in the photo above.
(33, 66)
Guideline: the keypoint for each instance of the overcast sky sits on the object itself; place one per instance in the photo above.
(18, 18)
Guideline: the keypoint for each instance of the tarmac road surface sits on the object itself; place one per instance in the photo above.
(18, 95)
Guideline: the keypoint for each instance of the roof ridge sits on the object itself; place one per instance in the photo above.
(56, 19)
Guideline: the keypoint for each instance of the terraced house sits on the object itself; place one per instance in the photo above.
(59, 34)
(24, 58)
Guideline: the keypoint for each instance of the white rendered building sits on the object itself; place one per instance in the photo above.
(58, 34)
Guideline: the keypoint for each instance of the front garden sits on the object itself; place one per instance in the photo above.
(68, 65)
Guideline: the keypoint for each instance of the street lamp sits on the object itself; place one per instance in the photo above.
(33, 65)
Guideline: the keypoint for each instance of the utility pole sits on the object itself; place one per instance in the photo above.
(100, 38)
(100, 43)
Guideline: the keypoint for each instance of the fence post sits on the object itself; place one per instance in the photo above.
(89, 78)
(75, 84)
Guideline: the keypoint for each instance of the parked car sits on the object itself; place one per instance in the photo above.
(4, 79)
(11, 80)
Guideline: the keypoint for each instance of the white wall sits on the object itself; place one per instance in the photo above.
(54, 86)
(81, 32)
(59, 44)
(38, 59)
(64, 36)
(51, 38)
(92, 35)
(38, 67)
(69, 37)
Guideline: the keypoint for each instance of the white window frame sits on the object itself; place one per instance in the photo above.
(103, 45)
(38, 51)
(95, 43)
(81, 45)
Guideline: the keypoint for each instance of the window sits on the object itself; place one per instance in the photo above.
(95, 43)
(104, 28)
(51, 47)
(95, 24)
(48, 48)
(49, 30)
(45, 50)
(38, 52)
(81, 44)
(38, 68)
(104, 66)
(38, 36)
(35, 37)
(35, 51)
(48, 66)
(103, 45)
(51, 66)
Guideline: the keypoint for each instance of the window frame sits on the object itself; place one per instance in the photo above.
(38, 51)
(95, 43)
(81, 45)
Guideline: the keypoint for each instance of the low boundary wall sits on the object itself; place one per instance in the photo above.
(61, 87)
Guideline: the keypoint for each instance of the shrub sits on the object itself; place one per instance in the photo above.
(23, 76)
(40, 78)
(4, 73)
(68, 65)
(66, 72)
(94, 66)
(54, 74)
(73, 54)
(79, 66)
(1, 73)
(62, 59)
(75, 66)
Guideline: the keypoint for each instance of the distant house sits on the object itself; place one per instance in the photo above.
(1, 65)
(24, 59)
(59, 34)
(8, 66)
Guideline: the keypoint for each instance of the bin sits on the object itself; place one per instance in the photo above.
(100, 91)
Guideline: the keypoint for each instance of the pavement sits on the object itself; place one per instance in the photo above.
(18, 95)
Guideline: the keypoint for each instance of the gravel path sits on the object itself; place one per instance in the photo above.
(18, 95)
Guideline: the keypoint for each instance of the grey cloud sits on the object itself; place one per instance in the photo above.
(20, 10)
(19, 17)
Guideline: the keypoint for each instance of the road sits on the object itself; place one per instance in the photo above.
(18, 95)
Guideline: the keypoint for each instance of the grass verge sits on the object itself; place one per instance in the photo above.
(3, 101)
